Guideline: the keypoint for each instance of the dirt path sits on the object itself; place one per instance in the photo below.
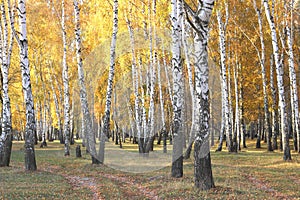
(78, 182)
(94, 185)
(149, 194)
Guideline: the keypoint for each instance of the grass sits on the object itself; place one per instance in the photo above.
(250, 174)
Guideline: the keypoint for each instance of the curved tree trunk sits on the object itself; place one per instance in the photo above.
(280, 85)
(87, 129)
(106, 124)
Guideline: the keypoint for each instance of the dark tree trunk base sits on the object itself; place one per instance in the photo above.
(203, 173)
(44, 144)
(78, 151)
(177, 168)
(95, 161)
(5, 155)
(30, 163)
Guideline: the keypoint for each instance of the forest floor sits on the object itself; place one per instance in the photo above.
(249, 174)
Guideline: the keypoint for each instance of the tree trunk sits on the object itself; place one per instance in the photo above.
(106, 124)
(202, 166)
(177, 158)
(135, 84)
(66, 84)
(6, 129)
(293, 80)
(275, 125)
(87, 129)
(280, 85)
(30, 129)
(228, 125)
(267, 125)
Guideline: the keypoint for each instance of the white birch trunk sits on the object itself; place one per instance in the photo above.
(228, 125)
(280, 84)
(275, 125)
(135, 85)
(177, 158)
(161, 100)
(30, 129)
(57, 109)
(237, 114)
(202, 166)
(87, 127)
(65, 76)
(293, 80)
(152, 58)
(267, 126)
(6, 126)
(106, 124)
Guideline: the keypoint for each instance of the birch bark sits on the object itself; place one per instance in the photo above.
(87, 128)
(106, 123)
(202, 166)
(280, 84)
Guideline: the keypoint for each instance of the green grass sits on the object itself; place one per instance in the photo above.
(250, 174)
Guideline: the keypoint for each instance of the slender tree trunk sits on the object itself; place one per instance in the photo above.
(267, 126)
(275, 125)
(87, 128)
(293, 80)
(106, 124)
(228, 125)
(57, 109)
(161, 100)
(6, 128)
(65, 76)
(177, 158)
(241, 110)
(135, 84)
(280, 85)
(150, 134)
(237, 133)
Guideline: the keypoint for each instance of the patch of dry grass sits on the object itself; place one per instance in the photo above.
(249, 174)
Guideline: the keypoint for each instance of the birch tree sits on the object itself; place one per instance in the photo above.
(225, 100)
(275, 125)
(280, 84)
(177, 158)
(135, 85)
(87, 121)
(262, 59)
(109, 83)
(5, 56)
(30, 127)
(65, 76)
(199, 20)
(292, 74)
